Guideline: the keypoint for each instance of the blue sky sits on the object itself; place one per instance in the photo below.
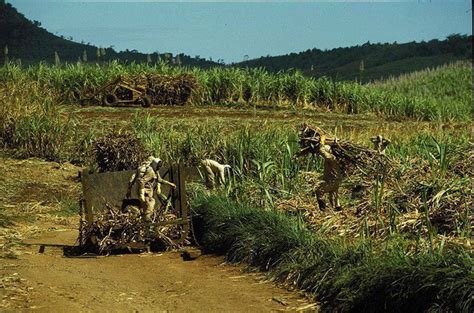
(230, 30)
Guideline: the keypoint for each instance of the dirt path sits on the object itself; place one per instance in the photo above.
(210, 111)
(146, 282)
(91, 117)
(37, 205)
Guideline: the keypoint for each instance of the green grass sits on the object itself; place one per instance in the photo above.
(5, 220)
(69, 207)
(381, 272)
(348, 276)
(31, 121)
(261, 154)
(445, 89)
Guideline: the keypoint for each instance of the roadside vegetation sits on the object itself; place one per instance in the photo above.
(344, 275)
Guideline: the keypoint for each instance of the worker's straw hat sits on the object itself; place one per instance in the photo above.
(155, 163)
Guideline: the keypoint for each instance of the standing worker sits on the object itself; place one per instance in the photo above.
(331, 179)
(213, 168)
(148, 180)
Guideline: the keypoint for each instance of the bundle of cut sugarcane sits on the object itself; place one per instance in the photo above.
(119, 151)
(171, 90)
(347, 153)
(165, 89)
(117, 230)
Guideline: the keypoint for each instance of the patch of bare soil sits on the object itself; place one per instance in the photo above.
(139, 282)
(37, 181)
(94, 113)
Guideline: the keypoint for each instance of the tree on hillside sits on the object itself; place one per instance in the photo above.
(57, 61)
(28, 41)
(5, 55)
(379, 59)
(361, 70)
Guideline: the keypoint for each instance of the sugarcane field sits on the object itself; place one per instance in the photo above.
(161, 182)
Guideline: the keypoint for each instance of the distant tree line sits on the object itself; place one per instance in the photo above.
(27, 42)
(370, 60)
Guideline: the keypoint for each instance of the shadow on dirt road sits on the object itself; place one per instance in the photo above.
(141, 282)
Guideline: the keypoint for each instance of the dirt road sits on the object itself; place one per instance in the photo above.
(41, 209)
(144, 282)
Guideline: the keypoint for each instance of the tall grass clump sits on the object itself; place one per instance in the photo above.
(30, 122)
(266, 171)
(261, 161)
(343, 275)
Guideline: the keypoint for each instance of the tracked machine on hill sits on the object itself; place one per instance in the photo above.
(120, 92)
(145, 90)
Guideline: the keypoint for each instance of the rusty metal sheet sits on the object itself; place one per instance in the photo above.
(110, 188)
(193, 174)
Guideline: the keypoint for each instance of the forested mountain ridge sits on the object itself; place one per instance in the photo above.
(370, 61)
(25, 41)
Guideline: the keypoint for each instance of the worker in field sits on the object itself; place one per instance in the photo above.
(331, 179)
(211, 170)
(148, 179)
(380, 143)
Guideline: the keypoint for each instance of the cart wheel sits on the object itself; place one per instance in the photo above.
(109, 99)
(145, 101)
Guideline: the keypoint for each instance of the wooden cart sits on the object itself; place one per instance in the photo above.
(105, 190)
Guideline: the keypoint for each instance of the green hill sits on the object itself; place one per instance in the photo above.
(448, 87)
(28, 42)
(376, 60)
